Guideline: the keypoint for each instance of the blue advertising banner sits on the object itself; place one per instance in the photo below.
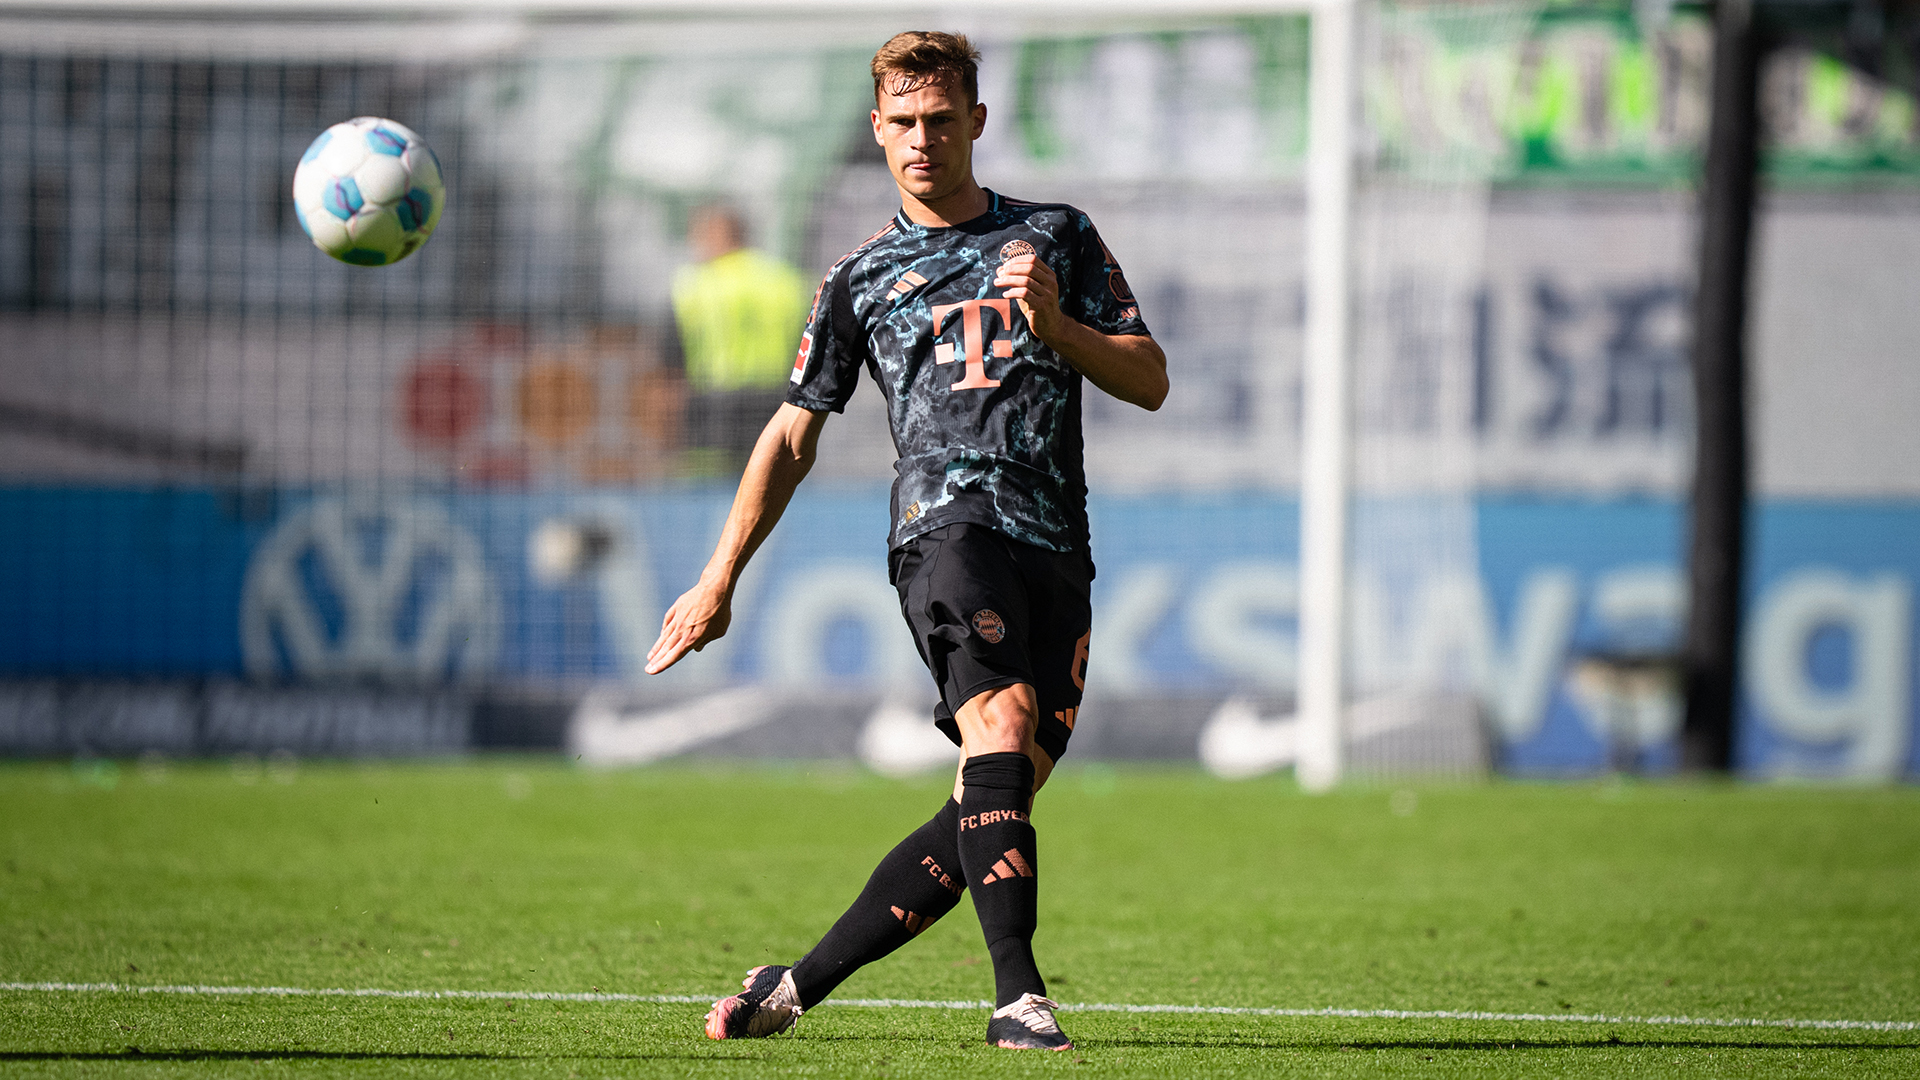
(1196, 597)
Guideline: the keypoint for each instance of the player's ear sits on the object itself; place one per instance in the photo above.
(979, 118)
(874, 116)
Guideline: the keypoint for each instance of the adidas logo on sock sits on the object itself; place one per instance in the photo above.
(915, 923)
(1011, 866)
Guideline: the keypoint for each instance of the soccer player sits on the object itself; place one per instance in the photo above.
(979, 317)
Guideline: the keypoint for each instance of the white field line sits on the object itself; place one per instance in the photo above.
(905, 1003)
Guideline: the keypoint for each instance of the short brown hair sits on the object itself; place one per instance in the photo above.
(919, 58)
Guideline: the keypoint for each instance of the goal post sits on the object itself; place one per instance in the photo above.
(1327, 407)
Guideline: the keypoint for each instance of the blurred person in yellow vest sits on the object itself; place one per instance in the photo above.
(740, 313)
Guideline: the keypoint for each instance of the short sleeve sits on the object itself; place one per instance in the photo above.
(1099, 295)
(832, 349)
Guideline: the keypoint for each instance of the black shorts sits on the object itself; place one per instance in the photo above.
(989, 611)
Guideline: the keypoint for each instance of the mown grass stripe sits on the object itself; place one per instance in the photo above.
(907, 1003)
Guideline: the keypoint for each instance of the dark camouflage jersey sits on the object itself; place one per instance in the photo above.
(986, 417)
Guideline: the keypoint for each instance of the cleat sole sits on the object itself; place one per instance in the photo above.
(1009, 1044)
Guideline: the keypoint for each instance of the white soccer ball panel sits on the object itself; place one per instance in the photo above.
(377, 229)
(310, 215)
(308, 180)
(329, 232)
(400, 129)
(426, 171)
(344, 152)
(382, 179)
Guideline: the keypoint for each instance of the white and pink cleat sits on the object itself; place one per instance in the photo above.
(768, 1005)
(1027, 1024)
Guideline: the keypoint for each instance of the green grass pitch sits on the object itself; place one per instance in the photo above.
(1159, 886)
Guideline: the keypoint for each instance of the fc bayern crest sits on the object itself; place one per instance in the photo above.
(1013, 249)
(988, 624)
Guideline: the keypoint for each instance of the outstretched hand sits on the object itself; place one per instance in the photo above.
(1030, 281)
(700, 616)
(779, 462)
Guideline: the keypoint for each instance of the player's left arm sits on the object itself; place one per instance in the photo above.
(1131, 367)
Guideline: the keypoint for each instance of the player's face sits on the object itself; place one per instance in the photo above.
(928, 135)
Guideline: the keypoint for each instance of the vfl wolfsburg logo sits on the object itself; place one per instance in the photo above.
(391, 591)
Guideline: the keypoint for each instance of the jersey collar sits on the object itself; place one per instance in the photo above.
(907, 224)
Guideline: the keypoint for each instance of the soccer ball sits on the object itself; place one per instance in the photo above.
(368, 191)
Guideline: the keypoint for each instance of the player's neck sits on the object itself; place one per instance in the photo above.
(965, 204)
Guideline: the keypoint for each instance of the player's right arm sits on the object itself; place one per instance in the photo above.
(780, 460)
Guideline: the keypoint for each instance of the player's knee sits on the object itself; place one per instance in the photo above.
(1001, 719)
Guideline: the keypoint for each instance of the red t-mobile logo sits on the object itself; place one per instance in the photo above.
(974, 339)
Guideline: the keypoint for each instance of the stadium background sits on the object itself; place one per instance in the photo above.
(253, 501)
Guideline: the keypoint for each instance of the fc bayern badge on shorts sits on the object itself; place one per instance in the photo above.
(988, 626)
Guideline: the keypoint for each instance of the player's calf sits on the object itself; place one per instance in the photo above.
(919, 881)
(998, 852)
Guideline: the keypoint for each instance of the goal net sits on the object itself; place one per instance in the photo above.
(256, 494)
(1424, 678)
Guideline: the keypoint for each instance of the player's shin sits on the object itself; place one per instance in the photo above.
(997, 850)
(919, 881)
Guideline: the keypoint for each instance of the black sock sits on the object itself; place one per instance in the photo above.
(919, 881)
(997, 852)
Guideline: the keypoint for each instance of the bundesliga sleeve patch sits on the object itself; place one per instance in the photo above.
(800, 361)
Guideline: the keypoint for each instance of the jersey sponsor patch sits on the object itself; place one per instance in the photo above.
(989, 626)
